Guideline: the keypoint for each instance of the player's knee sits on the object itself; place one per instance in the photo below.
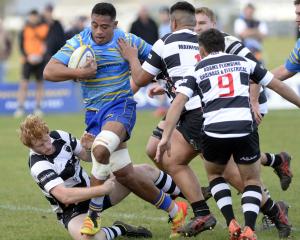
(105, 143)
(101, 154)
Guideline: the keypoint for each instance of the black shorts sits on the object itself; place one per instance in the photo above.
(245, 150)
(36, 70)
(190, 126)
(77, 209)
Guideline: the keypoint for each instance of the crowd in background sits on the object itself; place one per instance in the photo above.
(42, 35)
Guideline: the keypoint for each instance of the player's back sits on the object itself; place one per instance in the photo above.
(175, 54)
(224, 83)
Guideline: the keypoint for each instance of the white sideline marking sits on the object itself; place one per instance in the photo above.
(43, 210)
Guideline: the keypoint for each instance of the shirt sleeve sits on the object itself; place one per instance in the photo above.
(154, 62)
(292, 64)
(44, 175)
(259, 74)
(188, 84)
(64, 54)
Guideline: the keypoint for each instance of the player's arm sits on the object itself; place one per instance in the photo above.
(172, 118)
(254, 95)
(265, 78)
(57, 71)
(184, 91)
(139, 76)
(282, 73)
(79, 194)
(284, 91)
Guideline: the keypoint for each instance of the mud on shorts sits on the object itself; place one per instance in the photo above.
(190, 126)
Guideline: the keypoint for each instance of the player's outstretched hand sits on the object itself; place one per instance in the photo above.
(156, 89)
(164, 145)
(127, 51)
(87, 140)
(89, 70)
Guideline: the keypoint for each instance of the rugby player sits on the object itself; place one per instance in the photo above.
(173, 55)
(54, 162)
(110, 111)
(206, 19)
(222, 82)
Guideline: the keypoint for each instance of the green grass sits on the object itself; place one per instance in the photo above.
(25, 214)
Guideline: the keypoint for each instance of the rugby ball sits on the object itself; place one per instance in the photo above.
(80, 56)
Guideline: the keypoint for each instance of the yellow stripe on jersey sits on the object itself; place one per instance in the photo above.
(104, 84)
(106, 78)
(116, 93)
(70, 46)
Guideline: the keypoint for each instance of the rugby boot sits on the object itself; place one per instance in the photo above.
(267, 223)
(281, 220)
(90, 226)
(133, 231)
(248, 234)
(197, 225)
(179, 220)
(284, 171)
(234, 230)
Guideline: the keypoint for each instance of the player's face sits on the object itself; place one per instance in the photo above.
(43, 145)
(102, 28)
(297, 11)
(203, 23)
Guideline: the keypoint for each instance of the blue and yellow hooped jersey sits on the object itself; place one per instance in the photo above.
(112, 80)
(292, 64)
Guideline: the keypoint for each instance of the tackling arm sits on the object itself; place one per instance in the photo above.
(285, 91)
(172, 118)
(282, 73)
(140, 76)
(79, 194)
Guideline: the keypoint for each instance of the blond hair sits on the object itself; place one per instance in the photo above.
(31, 129)
(208, 12)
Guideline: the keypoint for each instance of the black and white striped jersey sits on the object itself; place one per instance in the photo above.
(61, 167)
(173, 55)
(223, 80)
(234, 46)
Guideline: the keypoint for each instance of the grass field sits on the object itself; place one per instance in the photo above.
(25, 214)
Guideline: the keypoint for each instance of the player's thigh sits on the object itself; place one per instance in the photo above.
(75, 225)
(214, 170)
(181, 151)
(119, 193)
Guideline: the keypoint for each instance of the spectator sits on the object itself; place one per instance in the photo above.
(78, 25)
(251, 31)
(56, 35)
(33, 50)
(5, 50)
(145, 27)
(164, 27)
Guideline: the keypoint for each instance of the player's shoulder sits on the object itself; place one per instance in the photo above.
(184, 35)
(60, 134)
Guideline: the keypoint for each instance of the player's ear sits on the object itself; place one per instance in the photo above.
(115, 24)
